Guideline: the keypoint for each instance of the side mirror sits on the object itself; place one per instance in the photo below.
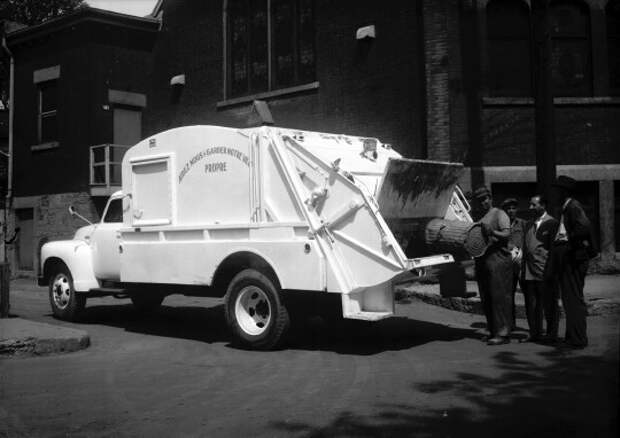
(72, 212)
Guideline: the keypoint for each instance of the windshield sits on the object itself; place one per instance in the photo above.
(114, 212)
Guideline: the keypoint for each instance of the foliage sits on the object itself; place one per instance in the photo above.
(31, 12)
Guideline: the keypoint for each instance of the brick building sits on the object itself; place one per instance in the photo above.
(79, 93)
(445, 80)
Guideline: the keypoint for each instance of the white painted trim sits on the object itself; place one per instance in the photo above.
(46, 74)
(127, 98)
(26, 202)
(268, 94)
(581, 172)
(45, 146)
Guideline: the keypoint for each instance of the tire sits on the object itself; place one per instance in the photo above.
(146, 302)
(67, 304)
(255, 312)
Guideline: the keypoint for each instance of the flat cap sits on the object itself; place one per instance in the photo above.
(509, 201)
(481, 192)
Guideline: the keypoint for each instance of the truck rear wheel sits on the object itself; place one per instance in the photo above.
(66, 303)
(255, 312)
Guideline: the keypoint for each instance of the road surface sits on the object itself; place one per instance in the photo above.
(423, 373)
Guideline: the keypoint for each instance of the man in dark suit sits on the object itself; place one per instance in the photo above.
(541, 294)
(572, 249)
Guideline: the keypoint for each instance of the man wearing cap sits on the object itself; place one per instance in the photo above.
(541, 294)
(494, 270)
(515, 245)
(572, 250)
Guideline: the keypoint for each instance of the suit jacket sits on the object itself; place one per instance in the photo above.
(537, 244)
(578, 231)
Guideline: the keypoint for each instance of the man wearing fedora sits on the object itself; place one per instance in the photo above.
(494, 271)
(515, 245)
(572, 249)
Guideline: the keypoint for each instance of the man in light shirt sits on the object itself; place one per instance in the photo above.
(541, 294)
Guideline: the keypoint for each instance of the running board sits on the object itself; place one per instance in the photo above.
(117, 292)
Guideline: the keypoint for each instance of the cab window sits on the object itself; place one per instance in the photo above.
(114, 213)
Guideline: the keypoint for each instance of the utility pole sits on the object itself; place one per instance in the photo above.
(544, 112)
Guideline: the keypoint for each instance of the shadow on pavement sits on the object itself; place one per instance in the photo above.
(366, 338)
(204, 324)
(207, 324)
(570, 395)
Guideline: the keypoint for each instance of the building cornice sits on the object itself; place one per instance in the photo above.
(84, 14)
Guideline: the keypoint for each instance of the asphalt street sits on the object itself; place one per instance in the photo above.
(423, 373)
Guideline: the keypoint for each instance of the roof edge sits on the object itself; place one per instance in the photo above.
(84, 13)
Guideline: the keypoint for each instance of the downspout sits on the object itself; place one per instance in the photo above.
(9, 183)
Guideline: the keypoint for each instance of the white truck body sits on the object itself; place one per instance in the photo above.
(311, 207)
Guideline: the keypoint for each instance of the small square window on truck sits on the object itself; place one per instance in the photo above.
(151, 202)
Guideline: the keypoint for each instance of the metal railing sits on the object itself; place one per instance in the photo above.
(105, 164)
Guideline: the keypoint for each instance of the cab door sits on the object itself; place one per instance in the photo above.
(105, 241)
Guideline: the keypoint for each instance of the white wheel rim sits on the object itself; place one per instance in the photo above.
(253, 310)
(61, 291)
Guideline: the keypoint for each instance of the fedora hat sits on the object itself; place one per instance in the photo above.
(565, 182)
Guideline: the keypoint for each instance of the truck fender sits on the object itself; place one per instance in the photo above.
(239, 259)
(76, 255)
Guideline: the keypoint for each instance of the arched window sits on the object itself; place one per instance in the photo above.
(509, 48)
(571, 48)
(612, 11)
(270, 45)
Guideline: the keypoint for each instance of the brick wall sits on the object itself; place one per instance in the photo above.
(370, 88)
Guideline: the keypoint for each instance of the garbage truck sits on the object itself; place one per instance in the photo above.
(264, 217)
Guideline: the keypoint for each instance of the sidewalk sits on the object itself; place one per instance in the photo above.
(602, 295)
(23, 337)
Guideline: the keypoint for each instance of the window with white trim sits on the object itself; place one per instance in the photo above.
(47, 111)
(270, 45)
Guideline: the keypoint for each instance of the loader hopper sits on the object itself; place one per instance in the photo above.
(416, 200)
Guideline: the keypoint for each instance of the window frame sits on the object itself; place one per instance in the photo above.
(41, 114)
(488, 42)
(272, 88)
(586, 88)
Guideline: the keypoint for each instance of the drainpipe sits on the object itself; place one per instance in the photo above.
(9, 184)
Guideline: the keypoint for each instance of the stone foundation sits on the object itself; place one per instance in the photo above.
(51, 221)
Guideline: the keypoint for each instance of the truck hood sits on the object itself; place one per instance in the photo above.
(84, 233)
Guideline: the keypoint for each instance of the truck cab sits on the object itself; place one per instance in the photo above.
(73, 267)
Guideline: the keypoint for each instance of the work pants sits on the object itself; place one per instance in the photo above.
(571, 275)
(494, 275)
(572, 280)
(551, 308)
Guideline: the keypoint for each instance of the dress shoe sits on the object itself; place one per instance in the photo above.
(550, 340)
(529, 338)
(570, 346)
(498, 340)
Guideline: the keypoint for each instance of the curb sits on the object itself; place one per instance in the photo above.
(19, 337)
(596, 307)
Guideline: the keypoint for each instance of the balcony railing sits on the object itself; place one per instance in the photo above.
(105, 168)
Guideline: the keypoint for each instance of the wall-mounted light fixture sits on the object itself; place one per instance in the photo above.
(366, 32)
(177, 83)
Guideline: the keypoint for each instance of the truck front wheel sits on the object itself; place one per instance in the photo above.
(255, 312)
(66, 303)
